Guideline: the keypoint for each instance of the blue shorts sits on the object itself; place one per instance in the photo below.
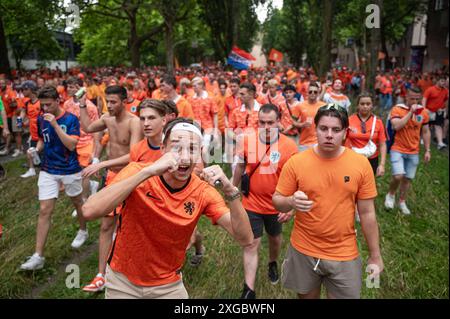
(404, 164)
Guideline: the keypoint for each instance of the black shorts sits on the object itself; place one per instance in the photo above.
(261, 221)
(10, 127)
(439, 118)
(374, 164)
(33, 143)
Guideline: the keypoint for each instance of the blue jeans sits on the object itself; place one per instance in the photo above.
(404, 164)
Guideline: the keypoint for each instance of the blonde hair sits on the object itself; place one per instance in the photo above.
(272, 82)
(198, 80)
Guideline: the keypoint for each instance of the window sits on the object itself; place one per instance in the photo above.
(439, 5)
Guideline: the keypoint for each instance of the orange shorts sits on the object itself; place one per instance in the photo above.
(105, 139)
(85, 154)
(109, 177)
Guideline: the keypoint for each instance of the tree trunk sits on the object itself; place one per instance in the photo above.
(373, 52)
(135, 44)
(236, 19)
(387, 60)
(325, 55)
(4, 61)
(169, 46)
(355, 50)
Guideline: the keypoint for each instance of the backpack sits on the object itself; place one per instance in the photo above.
(390, 133)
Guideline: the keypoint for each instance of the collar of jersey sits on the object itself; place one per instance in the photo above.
(174, 190)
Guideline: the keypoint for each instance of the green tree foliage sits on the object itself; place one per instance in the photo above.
(298, 27)
(28, 24)
(232, 22)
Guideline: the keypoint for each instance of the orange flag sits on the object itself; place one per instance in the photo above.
(275, 55)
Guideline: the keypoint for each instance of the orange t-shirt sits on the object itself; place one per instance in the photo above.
(424, 84)
(407, 140)
(232, 103)
(334, 185)
(303, 111)
(436, 98)
(32, 110)
(156, 226)
(74, 108)
(302, 88)
(220, 101)
(386, 86)
(139, 94)
(265, 176)
(204, 109)
(132, 106)
(184, 108)
(144, 152)
(8, 96)
(241, 118)
(287, 116)
(277, 100)
(158, 95)
(355, 137)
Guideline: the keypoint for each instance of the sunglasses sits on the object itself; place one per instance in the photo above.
(363, 127)
(332, 107)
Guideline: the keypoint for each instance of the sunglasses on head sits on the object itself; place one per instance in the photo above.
(332, 107)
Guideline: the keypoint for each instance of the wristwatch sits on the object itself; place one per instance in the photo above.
(235, 195)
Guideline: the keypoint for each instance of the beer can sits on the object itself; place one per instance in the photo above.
(80, 93)
(35, 156)
(19, 122)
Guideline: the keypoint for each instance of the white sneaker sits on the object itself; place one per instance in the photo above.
(79, 240)
(74, 213)
(93, 186)
(31, 172)
(403, 208)
(441, 146)
(17, 153)
(389, 202)
(4, 152)
(34, 262)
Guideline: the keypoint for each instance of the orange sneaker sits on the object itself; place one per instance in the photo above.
(97, 284)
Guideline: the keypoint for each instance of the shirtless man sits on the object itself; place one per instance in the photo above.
(124, 130)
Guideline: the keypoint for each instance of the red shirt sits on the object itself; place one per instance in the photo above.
(436, 98)
(356, 138)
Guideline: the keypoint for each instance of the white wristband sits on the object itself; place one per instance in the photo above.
(95, 160)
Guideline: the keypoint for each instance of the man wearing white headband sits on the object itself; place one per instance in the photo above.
(162, 203)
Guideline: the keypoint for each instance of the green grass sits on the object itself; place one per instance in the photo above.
(414, 248)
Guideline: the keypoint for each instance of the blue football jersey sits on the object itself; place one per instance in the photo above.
(58, 159)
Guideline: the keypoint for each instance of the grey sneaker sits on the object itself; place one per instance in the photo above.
(34, 262)
(403, 208)
(389, 201)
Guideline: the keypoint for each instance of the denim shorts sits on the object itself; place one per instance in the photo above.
(404, 164)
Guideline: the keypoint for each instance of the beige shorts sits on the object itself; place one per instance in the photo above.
(303, 274)
(119, 287)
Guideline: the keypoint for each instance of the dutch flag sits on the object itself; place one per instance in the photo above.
(239, 59)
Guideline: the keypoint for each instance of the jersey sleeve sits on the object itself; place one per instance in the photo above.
(367, 186)
(381, 131)
(396, 112)
(215, 206)
(287, 183)
(74, 128)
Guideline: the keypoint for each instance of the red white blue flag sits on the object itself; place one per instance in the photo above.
(240, 59)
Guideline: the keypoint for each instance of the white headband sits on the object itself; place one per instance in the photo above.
(188, 127)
